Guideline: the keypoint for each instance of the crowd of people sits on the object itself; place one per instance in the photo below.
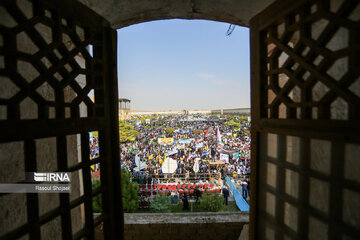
(199, 148)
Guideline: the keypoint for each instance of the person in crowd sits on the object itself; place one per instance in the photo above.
(212, 138)
(226, 194)
(185, 202)
(174, 198)
(155, 181)
(244, 185)
(248, 186)
(234, 174)
(213, 153)
(149, 179)
(197, 195)
(187, 176)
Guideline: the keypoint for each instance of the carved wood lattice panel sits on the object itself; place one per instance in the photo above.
(311, 55)
(48, 71)
(305, 60)
(57, 82)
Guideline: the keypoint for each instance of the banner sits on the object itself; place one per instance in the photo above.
(175, 151)
(180, 146)
(184, 141)
(199, 145)
(95, 133)
(169, 165)
(164, 141)
(225, 151)
(205, 153)
(224, 158)
(236, 155)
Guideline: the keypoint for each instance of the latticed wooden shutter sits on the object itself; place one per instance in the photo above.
(305, 93)
(57, 84)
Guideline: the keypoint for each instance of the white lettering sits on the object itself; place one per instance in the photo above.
(53, 177)
(61, 188)
(66, 178)
(42, 188)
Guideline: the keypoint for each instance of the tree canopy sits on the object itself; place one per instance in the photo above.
(127, 132)
(129, 192)
(169, 130)
(197, 132)
(233, 124)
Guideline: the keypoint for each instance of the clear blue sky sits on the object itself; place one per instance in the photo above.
(184, 64)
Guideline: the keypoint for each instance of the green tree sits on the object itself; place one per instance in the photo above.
(129, 192)
(212, 202)
(142, 119)
(233, 124)
(127, 133)
(243, 117)
(197, 132)
(230, 117)
(169, 130)
(161, 203)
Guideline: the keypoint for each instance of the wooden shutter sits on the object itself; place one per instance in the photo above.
(54, 55)
(305, 99)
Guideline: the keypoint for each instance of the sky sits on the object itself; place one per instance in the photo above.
(184, 65)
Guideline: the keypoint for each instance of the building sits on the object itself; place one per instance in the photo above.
(305, 113)
(124, 108)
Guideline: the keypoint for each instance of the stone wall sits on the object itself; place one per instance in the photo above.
(185, 226)
(136, 113)
(127, 12)
(208, 231)
(232, 111)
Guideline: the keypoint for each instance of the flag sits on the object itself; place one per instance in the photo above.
(218, 135)
(139, 164)
(220, 143)
(205, 153)
(220, 146)
(205, 132)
